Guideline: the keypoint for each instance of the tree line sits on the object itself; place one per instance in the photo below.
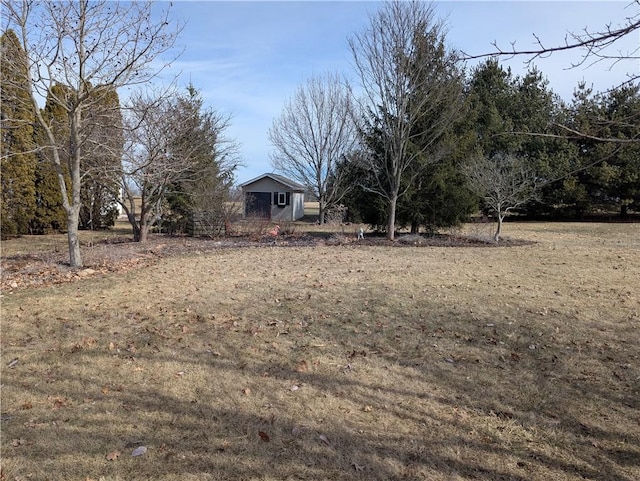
(418, 140)
(73, 162)
(425, 141)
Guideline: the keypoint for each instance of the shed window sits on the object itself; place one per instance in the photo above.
(282, 198)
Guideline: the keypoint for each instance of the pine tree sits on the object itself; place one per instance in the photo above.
(17, 157)
(514, 116)
(200, 194)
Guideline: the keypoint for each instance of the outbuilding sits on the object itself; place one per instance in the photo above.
(274, 197)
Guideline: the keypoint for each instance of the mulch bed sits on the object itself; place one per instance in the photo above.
(121, 254)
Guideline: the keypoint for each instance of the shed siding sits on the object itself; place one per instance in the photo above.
(268, 185)
(294, 209)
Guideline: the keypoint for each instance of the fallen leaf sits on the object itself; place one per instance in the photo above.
(139, 451)
(264, 436)
(302, 366)
(246, 391)
(17, 442)
(113, 455)
(324, 439)
(58, 402)
(26, 405)
(357, 467)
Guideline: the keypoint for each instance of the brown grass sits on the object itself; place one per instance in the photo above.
(34, 244)
(336, 363)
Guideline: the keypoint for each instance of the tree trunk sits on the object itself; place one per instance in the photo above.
(496, 236)
(75, 258)
(415, 226)
(143, 234)
(321, 211)
(624, 211)
(391, 218)
(73, 208)
(134, 225)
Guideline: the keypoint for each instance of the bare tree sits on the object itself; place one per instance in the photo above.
(93, 48)
(171, 148)
(314, 131)
(412, 95)
(505, 182)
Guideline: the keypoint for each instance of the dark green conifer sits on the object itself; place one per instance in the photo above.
(17, 156)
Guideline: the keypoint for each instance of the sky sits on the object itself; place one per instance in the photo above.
(248, 58)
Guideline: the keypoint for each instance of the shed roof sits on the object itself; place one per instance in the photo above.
(278, 178)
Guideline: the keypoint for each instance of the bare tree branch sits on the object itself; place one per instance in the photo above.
(313, 133)
(412, 93)
(505, 182)
(84, 46)
(596, 45)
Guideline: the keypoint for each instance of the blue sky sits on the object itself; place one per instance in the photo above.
(247, 58)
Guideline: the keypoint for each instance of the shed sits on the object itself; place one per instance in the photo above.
(274, 197)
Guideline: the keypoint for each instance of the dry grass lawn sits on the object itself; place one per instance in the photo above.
(335, 363)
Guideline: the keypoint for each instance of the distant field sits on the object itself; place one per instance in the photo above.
(311, 208)
(335, 363)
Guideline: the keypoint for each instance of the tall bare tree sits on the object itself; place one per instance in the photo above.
(412, 95)
(93, 48)
(313, 133)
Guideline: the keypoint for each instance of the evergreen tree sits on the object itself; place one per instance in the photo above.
(50, 214)
(199, 195)
(17, 155)
(363, 205)
(609, 175)
(622, 111)
(411, 84)
(491, 94)
(438, 196)
(517, 116)
(102, 163)
(441, 197)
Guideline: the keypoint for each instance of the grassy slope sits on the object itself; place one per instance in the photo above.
(356, 363)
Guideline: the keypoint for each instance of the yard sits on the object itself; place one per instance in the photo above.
(328, 362)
